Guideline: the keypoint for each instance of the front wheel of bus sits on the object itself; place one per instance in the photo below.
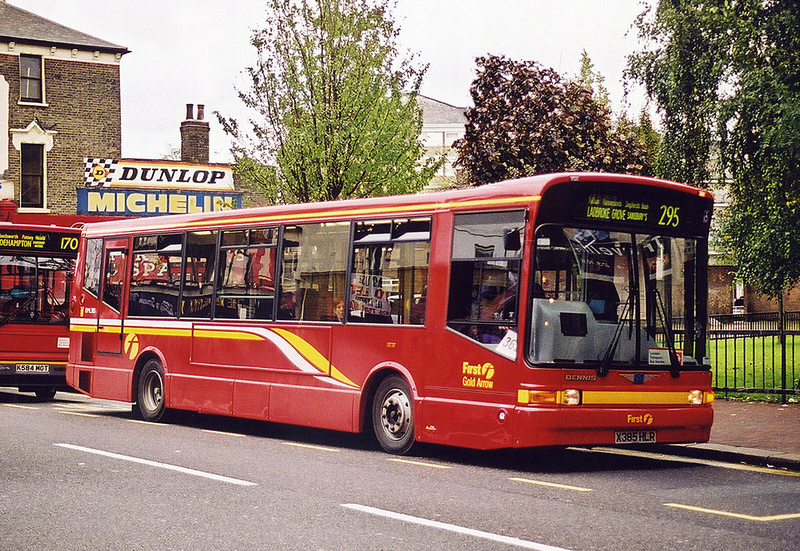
(393, 415)
(150, 395)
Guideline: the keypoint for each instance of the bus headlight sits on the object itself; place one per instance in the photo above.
(698, 397)
(571, 397)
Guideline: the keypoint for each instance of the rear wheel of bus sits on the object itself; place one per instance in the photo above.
(45, 394)
(150, 394)
(393, 415)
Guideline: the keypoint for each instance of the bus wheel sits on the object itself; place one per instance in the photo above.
(45, 394)
(150, 395)
(393, 415)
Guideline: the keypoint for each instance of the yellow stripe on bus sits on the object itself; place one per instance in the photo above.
(314, 356)
(309, 352)
(227, 334)
(593, 397)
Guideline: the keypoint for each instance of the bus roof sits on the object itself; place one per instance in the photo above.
(509, 193)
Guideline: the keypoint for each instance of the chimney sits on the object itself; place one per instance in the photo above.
(194, 136)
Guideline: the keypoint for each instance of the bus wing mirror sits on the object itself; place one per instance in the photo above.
(511, 240)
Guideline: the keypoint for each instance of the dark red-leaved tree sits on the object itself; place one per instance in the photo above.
(528, 120)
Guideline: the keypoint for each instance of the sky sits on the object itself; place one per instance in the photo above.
(196, 52)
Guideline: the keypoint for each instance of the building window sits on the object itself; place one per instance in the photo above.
(32, 188)
(30, 78)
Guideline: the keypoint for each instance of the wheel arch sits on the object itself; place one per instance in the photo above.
(378, 374)
(144, 357)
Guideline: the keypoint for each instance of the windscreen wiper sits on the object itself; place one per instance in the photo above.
(674, 363)
(602, 369)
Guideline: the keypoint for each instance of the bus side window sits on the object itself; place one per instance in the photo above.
(390, 271)
(246, 274)
(199, 274)
(484, 277)
(155, 278)
(314, 261)
(91, 268)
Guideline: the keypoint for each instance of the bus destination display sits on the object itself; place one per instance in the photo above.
(35, 241)
(614, 209)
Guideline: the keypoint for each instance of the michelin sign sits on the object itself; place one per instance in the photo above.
(149, 188)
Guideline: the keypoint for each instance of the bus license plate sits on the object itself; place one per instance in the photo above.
(33, 368)
(635, 437)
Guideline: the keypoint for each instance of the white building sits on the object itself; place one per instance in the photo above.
(442, 125)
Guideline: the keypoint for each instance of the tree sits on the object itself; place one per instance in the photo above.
(760, 133)
(681, 72)
(729, 73)
(336, 106)
(527, 120)
(592, 79)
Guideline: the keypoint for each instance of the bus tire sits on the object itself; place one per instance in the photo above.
(393, 415)
(45, 394)
(150, 394)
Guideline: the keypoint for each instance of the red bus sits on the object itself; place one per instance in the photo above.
(565, 309)
(36, 264)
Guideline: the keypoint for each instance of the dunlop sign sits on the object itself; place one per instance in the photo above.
(148, 188)
(161, 175)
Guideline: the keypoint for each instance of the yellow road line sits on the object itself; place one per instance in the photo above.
(18, 406)
(693, 460)
(551, 484)
(78, 414)
(768, 518)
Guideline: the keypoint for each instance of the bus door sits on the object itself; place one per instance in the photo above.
(110, 308)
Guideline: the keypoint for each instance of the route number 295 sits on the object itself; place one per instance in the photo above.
(669, 216)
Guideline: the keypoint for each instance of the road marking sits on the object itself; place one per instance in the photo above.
(221, 433)
(18, 406)
(419, 463)
(678, 459)
(311, 447)
(452, 528)
(552, 484)
(184, 470)
(93, 407)
(148, 423)
(78, 413)
(769, 518)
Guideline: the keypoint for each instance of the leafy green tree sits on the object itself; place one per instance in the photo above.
(760, 132)
(592, 79)
(335, 105)
(681, 71)
(728, 73)
(528, 120)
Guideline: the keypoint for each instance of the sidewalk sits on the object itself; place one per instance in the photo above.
(751, 432)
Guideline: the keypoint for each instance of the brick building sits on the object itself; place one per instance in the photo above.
(59, 103)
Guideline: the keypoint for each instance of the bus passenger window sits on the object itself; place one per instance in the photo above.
(155, 280)
(484, 278)
(246, 280)
(314, 261)
(390, 271)
(198, 274)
